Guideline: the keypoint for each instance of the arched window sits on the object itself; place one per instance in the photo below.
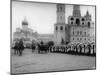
(56, 28)
(73, 32)
(83, 23)
(77, 32)
(88, 24)
(78, 21)
(80, 32)
(72, 18)
(83, 19)
(62, 41)
(61, 28)
(61, 8)
(71, 22)
(85, 33)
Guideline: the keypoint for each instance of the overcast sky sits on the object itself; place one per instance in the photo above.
(41, 16)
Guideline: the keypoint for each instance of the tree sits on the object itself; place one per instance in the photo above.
(50, 43)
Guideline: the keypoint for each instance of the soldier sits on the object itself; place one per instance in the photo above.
(80, 48)
(39, 47)
(33, 46)
(84, 47)
(16, 48)
(89, 48)
(93, 48)
(21, 47)
(65, 49)
(76, 48)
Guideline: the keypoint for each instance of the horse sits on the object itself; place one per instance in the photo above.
(18, 48)
(43, 48)
(21, 47)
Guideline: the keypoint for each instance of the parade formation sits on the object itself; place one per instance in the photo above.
(76, 49)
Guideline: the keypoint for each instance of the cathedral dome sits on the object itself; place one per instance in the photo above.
(25, 22)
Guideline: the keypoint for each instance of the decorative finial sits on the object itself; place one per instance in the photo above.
(87, 13)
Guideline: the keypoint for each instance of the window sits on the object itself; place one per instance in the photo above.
(62, 41)
(71, 22)
(83, 23)
(80, 32)
(83, 19)
(88, 24)
(72, 18)
(77, 32)
(78, 22)
(77, 38)
(56, 28)
(61, 8)
(61, 28)
(84, 33)
(73, 32)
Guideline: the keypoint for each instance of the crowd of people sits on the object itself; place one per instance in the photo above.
(79, 49)
(18, 47)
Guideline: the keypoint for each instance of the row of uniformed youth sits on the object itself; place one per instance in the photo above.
(86, 49)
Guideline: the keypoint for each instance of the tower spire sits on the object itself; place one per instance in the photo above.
(88, 16)
(87, 13)
(76, 11)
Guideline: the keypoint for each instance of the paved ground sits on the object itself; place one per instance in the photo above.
(34, 62)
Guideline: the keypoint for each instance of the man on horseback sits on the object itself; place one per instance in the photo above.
(20, 47)
(16, 47)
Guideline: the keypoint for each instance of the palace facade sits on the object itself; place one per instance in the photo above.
(78, 29)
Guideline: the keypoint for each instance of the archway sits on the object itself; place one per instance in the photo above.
(78, 21)
(88, 24)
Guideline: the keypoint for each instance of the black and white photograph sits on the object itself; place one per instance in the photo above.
(52, 37)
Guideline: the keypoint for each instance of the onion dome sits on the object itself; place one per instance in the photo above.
(24, 22)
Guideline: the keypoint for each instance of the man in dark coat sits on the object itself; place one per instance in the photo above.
(80, 48)
(89, 48)
(33, 46)
(21, 47)
(16, 48)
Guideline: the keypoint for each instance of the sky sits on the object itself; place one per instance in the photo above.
(41, 16)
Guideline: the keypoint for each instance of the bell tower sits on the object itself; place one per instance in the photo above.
(60, 26)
